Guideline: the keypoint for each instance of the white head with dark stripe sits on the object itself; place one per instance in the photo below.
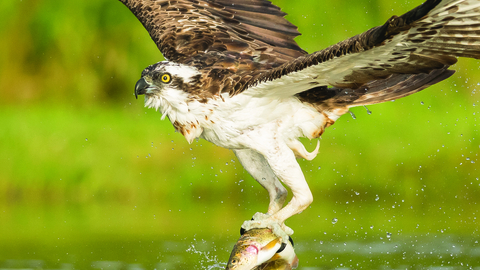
(167, 80)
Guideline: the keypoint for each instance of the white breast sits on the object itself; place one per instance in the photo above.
(229, 122)
(287, 118)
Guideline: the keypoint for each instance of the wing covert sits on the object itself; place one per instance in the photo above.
(183, 30)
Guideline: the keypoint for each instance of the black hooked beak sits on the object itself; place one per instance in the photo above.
(140, 87)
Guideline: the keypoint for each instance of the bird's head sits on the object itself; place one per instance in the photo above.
(166, 80)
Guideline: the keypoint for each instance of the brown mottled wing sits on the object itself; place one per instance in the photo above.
(234, 34)
(425, 41)
(339, 100)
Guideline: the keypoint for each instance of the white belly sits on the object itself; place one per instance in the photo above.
(233, 121)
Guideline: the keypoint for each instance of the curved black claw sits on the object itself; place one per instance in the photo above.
(281, 248)
(242, 230)
(285, 245)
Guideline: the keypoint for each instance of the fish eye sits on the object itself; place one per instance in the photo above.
(166, 78)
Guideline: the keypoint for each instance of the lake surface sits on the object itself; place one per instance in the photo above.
(133, 237)
(436, 252)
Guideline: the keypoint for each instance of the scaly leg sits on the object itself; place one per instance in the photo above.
(258, 168)
(282, 162)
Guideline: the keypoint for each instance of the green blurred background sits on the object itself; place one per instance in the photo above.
(82, 161)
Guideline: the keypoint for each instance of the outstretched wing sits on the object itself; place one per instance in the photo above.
(229, 31)
(424, 41)
(248, 47)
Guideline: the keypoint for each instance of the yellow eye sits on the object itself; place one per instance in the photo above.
(166, 78)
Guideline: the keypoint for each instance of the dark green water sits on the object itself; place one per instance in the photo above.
(359, 236)
(406, 252)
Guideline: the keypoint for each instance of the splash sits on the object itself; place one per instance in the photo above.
(206, 260)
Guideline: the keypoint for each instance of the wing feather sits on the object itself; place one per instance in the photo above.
(248, 47)
(427, 38)
(184, 30)
(339, 100)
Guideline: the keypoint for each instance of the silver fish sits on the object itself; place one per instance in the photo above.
(260, 249)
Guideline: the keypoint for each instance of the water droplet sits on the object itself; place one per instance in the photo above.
(377, 198)
(368, 111)
(353, 115)
(422, 103)
(334, 220)
(371, 227)
(389, 235)
(86, 139)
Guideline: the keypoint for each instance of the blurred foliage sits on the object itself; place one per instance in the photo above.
(79, 52)
(76, 147)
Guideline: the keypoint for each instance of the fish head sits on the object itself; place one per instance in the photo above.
(243, 258)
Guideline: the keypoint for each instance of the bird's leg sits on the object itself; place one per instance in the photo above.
(258, 168)
(283, 164)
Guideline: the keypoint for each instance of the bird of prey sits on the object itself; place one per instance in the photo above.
(236, 77)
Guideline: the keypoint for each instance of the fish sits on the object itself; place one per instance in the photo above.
(260, 249)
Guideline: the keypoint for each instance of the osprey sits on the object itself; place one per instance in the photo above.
(236, 77)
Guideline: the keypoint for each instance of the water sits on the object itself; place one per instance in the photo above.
(332, 234)
(367, 248)
(407, 252)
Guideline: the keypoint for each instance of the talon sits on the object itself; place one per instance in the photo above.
(242, 230)
(282, 247)
(260, 216)
(287, 229)
(261, 220)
